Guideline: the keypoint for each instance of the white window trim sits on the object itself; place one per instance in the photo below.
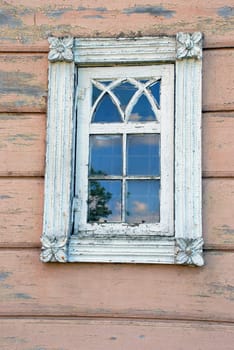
(58, 243)
(166, 75)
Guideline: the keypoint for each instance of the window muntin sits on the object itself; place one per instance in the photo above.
(125, 120)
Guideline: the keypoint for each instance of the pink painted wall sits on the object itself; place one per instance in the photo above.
(110, 306)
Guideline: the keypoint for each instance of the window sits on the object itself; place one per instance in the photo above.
(125, 117)
(123, 172)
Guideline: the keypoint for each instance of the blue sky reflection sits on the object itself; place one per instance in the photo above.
(143, 201)
(143, 154)
(105, 154)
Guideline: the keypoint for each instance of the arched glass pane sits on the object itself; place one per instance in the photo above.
(142, 201)
(124, 92)
(143, 155)
(95, 94)
(142, 111)
(105, 82)
(104, 202)
(155, 91)
(105, 155)
(106, 111)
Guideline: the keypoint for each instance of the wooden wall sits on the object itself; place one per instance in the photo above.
(110, 306)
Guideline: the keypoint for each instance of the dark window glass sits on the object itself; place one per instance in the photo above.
(96, 93)
(155, 91)
(106, 111)
(142, 111)
(124, 92)
(105, 82)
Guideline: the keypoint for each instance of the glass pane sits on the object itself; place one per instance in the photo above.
(95, 94)
(155, 91)
(104, 202)
(105, 155)
(105, 82)
(142, 201)
(143, 154)
(142, 111)
(106, 111)
(124, 92)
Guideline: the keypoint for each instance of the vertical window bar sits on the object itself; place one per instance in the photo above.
(124, 177)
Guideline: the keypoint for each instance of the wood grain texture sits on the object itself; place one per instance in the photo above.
(23, 82)
(217, 144)
(59, 176)
(22, 144)
(91, 334)
(27, 24)
(218, 80)
(21, 208)
(218, 219)
(29, 287)
(187, 149)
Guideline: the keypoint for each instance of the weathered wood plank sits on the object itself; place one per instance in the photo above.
(23, 82)
(21, 208)
(90, 334)
(22, 144)
(28, 23)
(29, 287)
(218, 219)
(217, 144)
(218, 80)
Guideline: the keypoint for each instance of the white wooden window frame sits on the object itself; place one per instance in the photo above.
(164, 126)
(59, 241)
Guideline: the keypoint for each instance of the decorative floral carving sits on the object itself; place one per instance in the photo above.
(189, 251)
(189, 45)
(60, 49)
(53, 249)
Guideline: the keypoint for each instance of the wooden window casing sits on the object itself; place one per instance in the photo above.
(177, 238)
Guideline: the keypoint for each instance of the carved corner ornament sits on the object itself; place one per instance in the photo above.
(189, 45)
(60, 49)
(189, 251)
(54, 249)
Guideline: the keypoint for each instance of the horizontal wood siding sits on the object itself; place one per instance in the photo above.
(217, 144)
(21, 206)
(26, 24)
(217, 68)
(29, 288)
(21, 209)
(24, 81)
(22, 144)
(110, 306)
(114, 334)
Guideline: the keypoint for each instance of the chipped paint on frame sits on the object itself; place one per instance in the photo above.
(187, 163)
